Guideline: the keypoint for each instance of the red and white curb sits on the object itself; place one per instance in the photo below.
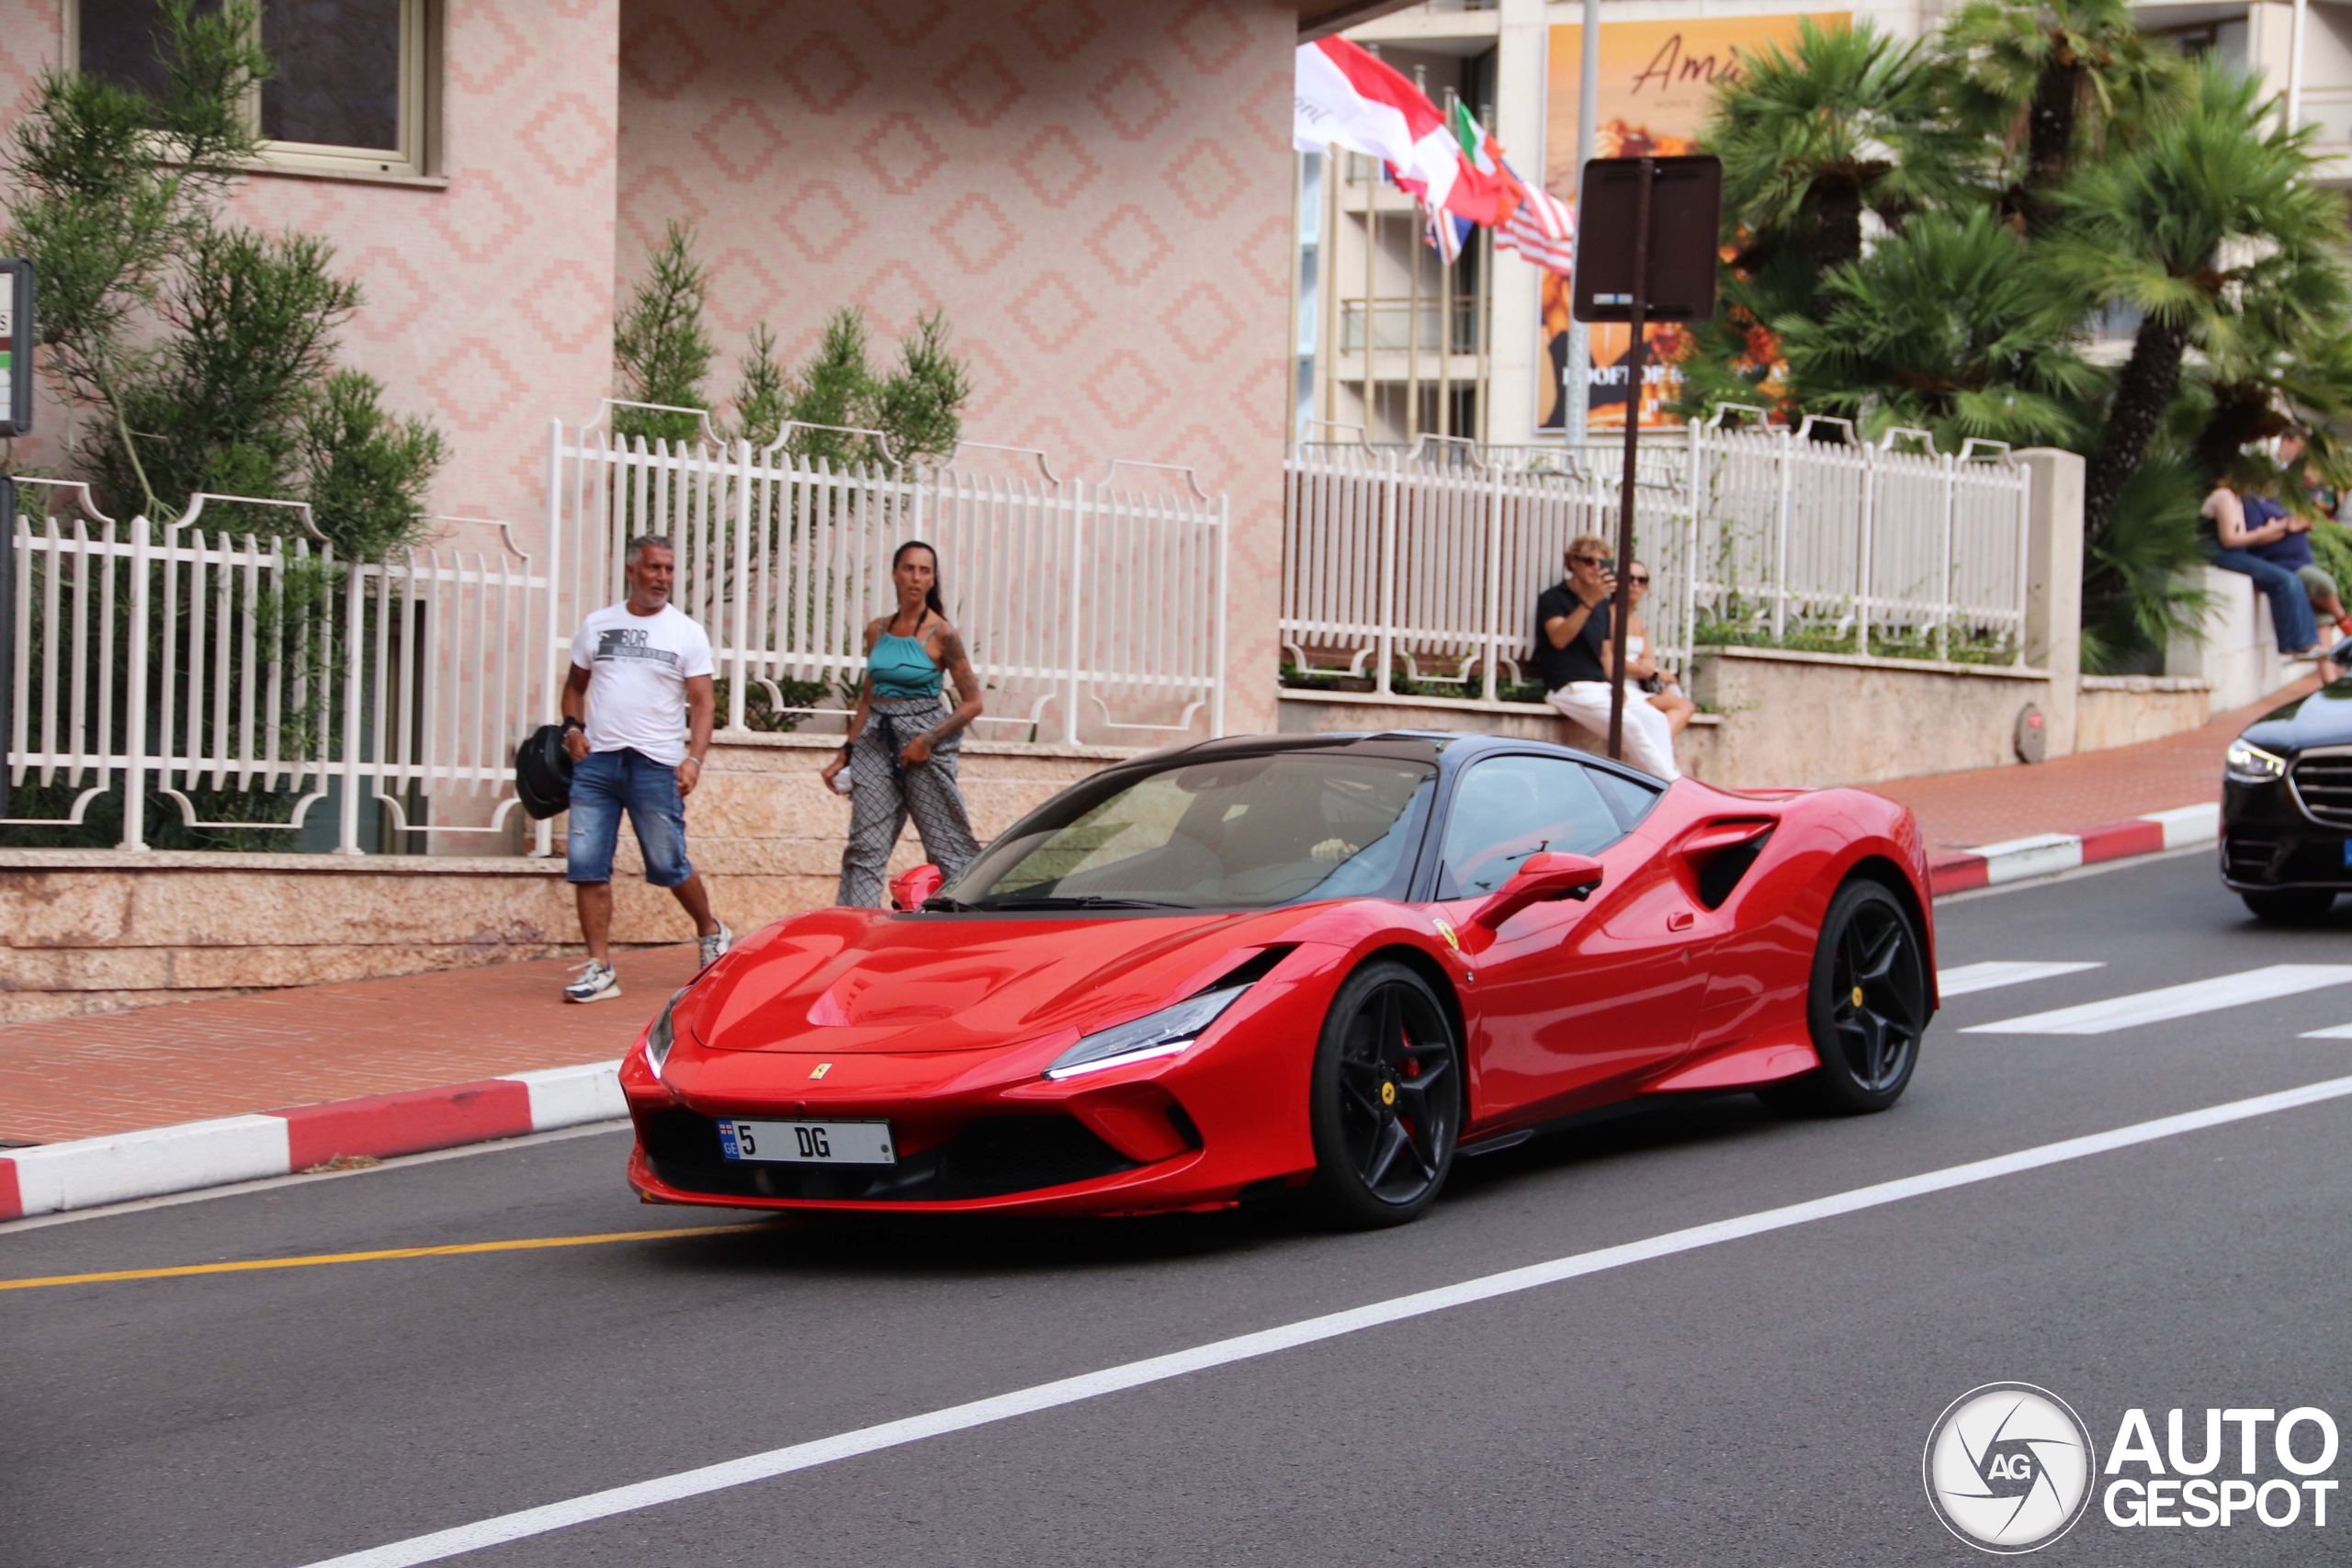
(87, 1172)
(1989, 865)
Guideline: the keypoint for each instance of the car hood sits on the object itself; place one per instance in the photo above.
(853, 980)
(2322, 719)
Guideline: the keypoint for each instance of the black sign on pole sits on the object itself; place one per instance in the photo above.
(16, 348)
(7, 628)
(1646, 241)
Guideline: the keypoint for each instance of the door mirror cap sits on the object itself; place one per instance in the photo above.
(909, 889)
(1541, 877)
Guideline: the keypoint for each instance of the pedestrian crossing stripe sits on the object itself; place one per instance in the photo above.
(1968, 977)
(2169, 1002)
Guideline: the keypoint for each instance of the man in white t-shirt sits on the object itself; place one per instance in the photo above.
(636, 718)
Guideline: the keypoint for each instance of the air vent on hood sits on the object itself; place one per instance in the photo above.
(1256, 966)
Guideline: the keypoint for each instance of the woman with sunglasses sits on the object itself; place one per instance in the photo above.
(1641, 665)
(1572, 652)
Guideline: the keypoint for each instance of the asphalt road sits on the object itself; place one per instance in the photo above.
(1759, 1401)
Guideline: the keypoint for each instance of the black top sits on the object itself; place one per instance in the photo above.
(1587, 655)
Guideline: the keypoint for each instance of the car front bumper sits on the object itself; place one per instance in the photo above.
(2268, 841)
(985, 1130)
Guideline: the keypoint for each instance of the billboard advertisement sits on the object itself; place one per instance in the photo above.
(1656, 82)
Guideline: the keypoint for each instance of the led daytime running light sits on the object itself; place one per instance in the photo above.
(661, 1036)
(1162, 1034)
(2248, 764)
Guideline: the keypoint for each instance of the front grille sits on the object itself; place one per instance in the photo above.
(2324, 786)
(989, 1158)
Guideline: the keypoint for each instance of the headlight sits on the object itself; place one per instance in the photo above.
(1162, 1034)
(660, 1037)
(2252, 765)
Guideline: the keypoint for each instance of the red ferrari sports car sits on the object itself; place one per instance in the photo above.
(1334, 963)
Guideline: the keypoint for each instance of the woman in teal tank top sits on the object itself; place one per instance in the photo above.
(903, 739)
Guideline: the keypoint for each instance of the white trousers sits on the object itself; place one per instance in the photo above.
(1649, 739)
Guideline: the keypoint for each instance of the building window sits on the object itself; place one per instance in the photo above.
(351, 93)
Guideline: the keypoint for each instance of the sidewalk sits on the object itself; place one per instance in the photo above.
(93, 1076)
(1991, 805)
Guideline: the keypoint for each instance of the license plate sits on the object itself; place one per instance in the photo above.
(807, 1142)
(2347, 853)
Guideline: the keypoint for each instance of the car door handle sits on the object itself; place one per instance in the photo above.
(1681, 920)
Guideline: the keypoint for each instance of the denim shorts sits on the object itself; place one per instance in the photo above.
(605, 783)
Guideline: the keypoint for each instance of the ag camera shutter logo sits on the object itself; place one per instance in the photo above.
(2008, 1467)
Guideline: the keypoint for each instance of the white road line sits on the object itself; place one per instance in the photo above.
(742, 1471)
(1967, 977)
(2174, 1001)
(2339, 1032)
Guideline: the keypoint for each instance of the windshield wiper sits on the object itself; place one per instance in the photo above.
(1087, 901)
(946, 905)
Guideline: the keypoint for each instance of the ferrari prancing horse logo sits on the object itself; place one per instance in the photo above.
(1445, 929)
(820, 1069)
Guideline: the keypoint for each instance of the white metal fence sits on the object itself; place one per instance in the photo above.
(1423, 563)
(1088, 607)
(245, 676)
(228, 672)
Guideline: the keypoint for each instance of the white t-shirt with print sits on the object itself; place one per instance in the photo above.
(638, 667)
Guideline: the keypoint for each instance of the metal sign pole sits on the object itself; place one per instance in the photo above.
(7, 630)
(1621, 609)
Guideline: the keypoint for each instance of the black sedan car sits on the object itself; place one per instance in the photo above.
(2286, 806)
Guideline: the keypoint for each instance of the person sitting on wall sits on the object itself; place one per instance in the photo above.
(2293, 548)
(2238, 522)
(1572, 651)
(1641, 661)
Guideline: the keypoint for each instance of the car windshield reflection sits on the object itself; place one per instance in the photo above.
(1238, 832)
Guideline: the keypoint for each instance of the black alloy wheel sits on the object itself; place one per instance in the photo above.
(1867, 1005)
(1388, 1098)
(2289, 906)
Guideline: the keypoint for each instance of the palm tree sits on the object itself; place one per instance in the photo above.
(2053, 75)
(2211, 227)
(1810, 142)
(1950, 326)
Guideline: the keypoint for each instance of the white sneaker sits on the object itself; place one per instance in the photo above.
(715, 946)
(594, 981)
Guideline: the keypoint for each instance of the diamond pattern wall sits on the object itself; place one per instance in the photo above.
(1092, 192)
(488, 298)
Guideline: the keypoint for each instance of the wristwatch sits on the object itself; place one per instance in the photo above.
(571, 724)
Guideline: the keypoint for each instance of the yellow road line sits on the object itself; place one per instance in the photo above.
(528, 1244)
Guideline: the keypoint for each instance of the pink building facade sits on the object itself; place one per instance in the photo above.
(1098, 195)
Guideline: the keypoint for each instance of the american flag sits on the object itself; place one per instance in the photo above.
(1541, 228)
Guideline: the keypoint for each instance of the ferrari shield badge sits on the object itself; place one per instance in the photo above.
(1446, 929)
(820, 1069)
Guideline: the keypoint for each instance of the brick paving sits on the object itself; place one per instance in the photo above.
(1990, 806)
(79, 1077)
(82, 1076)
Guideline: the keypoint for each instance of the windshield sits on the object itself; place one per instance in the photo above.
(1245, 832)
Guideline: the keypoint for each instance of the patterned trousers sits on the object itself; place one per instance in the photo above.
(884, 793)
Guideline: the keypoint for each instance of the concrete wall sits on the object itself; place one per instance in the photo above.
(87, 931)
(489, 291)
(1097, 195)
(2237, 655)
(2124, 710)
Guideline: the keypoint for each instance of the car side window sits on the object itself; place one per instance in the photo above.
(1632, 799)
(1506, 808)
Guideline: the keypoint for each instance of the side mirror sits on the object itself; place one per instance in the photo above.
(1540, 878)
(909, 889)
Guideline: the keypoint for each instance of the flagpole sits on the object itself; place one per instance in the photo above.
(1576, 376)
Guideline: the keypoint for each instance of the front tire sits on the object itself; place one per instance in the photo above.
(1386, 1100)
(1867, 1007)
(2289, 906)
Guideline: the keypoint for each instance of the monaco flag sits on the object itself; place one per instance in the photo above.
(1347, 98)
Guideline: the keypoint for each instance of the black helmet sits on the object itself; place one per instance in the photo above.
(543, 772)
